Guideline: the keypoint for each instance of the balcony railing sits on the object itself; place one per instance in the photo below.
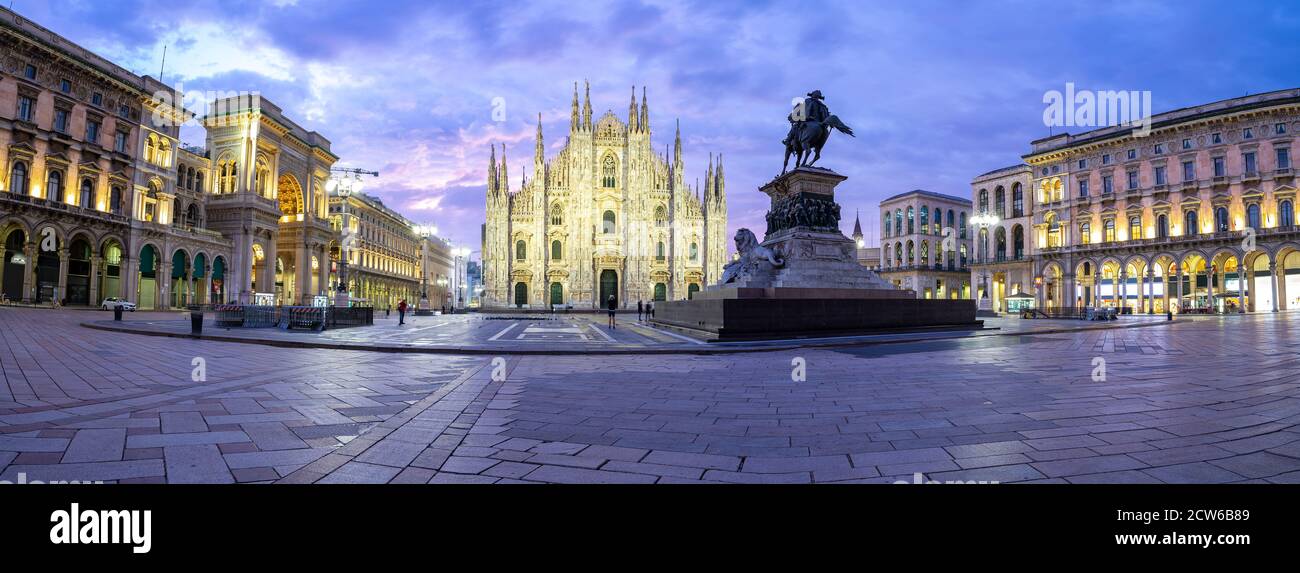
(64, 207)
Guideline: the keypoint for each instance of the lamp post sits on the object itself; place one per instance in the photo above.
(982, 222)
(344, 181)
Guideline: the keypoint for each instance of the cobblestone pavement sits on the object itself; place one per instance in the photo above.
(549, 334)
(1210, 400)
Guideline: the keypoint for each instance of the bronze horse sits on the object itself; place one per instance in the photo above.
(812, 136)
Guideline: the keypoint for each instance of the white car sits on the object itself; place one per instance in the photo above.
(113, 302)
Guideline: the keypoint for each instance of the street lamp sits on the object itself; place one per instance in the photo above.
(983, 221)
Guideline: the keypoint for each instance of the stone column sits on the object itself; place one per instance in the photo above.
(1179, 278)
(302, 273)
(1272, 270)
(1210, 275)
(129, 270)
(1151, 291)
(1121, 289)
(1241, 289)
(1068, 295)
(62, 292)
(29, 273)
(189, 283)
(323, 272)
(96, 262)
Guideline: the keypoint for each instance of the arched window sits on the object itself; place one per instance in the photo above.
(1134, 228)
(962, 227)
(984, 200)
(963, 255)
(925, 219)
(1221, 219)
(1054, 233)
(557, 251)
(1108, 230)
(911, 220)
(661, 216)
(521, 250)
(1017, 201)
(192, 216)
(999, 202)
(1162, 226)
(87, 193)
(607, 221)
(18, 178)
(911, 251)
(150, 147)
(115, 200)
(1190, 226)
(1000, 244)
(898, 222)
(659, 251)
(1286, 214)
(176, 212)
(925, 253)
(189, 179)
(557, 214)
(198, 181)
(1085, 233)
(1018, 242)
(695, 252)
(951, 218)
(885, 226)
(608, 172)
(1252, 216)
(54, 186)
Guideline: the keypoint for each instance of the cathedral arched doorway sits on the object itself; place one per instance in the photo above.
(691, 290)
(219, 280)
(661, 292)
(608, 287)
(521, 294)
(110, 282)
(557, 293)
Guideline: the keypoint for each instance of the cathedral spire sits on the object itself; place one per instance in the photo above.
(677, 146)
(857, 228)
(645, 112)
(631, 113)
(708, 177)
(586, 107)
(504, 179)
(539, 154)
(492, 170)
(573, 116)
(720, 184)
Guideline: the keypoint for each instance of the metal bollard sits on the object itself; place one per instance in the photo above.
(196, 322)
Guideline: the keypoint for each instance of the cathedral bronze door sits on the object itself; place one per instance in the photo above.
(521, 294)
(608, 286)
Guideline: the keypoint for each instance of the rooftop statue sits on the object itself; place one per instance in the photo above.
(810, 127)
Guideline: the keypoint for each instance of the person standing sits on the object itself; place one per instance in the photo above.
(639, 310)
(650, 310)
(389, 310)
(401, 312)
(612, 305)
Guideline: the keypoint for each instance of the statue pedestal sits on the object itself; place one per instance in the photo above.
(810, 284)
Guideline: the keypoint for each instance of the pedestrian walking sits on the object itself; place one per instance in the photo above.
(639, 310)
(401, 312)
(613, 306)
(388, 311)
(650, 310)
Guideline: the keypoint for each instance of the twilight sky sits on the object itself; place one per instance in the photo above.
(937, 91)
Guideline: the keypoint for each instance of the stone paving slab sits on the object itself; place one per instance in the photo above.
(988, 408)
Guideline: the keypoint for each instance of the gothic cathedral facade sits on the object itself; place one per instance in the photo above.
(605, 217)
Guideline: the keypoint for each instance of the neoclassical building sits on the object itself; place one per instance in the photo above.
(384, 261)
(606, 216)
(97, 198)
(1197, 216)
(914, 254)
(1002, 265)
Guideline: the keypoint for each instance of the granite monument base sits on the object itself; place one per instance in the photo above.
(732, 314)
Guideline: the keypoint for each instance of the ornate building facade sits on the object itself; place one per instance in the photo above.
(925, 245)
(1002, 269)
(606, 216)
(385, 259)
(1196, 216)
(97, 197)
